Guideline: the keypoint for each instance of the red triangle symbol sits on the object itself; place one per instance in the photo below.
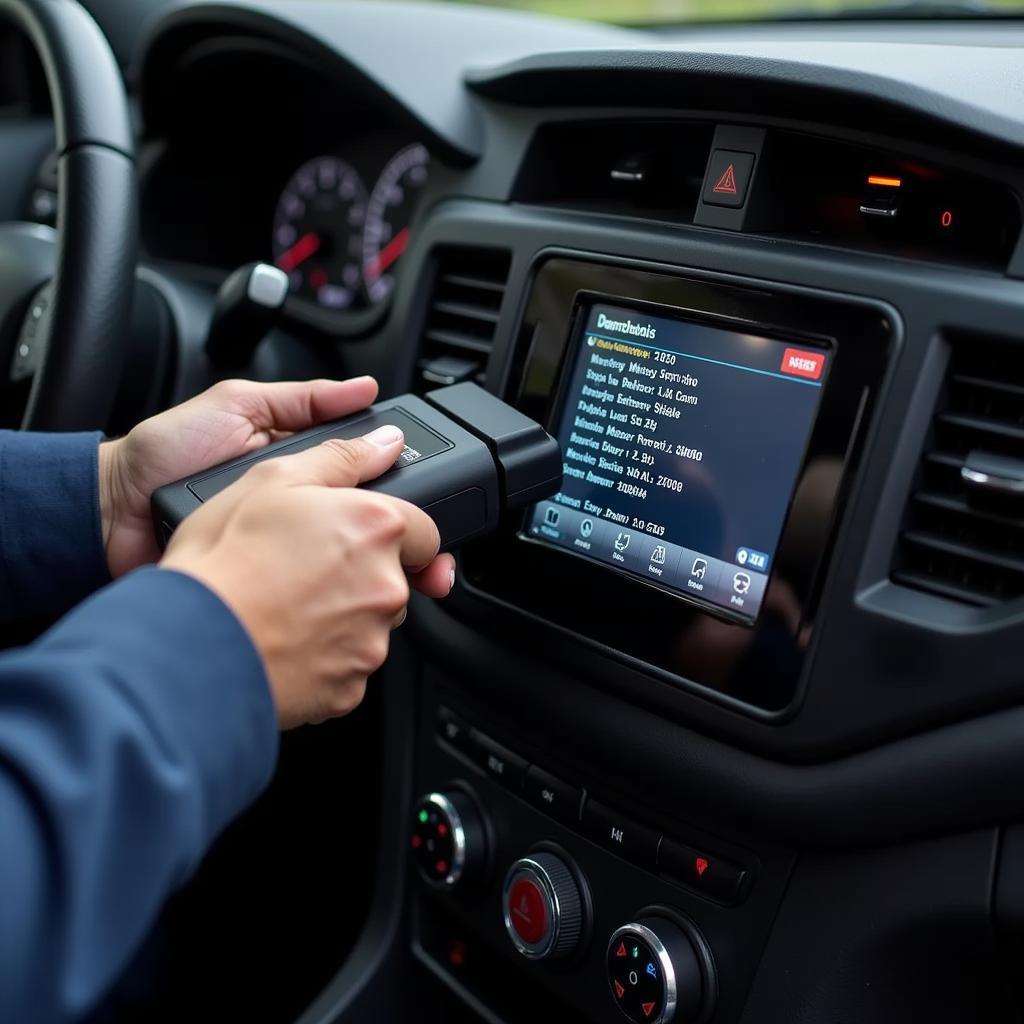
(727, 182)
(621, 951)
(701, 865)
(648, 1008)
(619, 990)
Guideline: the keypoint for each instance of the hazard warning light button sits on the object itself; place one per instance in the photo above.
(728, 177)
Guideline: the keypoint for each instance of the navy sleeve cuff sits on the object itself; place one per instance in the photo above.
(51, 540)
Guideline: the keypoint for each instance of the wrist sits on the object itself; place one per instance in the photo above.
(107, 460)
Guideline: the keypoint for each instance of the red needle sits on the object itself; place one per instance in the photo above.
(388, 254)
(299, 252)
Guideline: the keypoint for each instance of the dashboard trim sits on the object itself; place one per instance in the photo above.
(356, 38)
(896, 791)
(739, 75)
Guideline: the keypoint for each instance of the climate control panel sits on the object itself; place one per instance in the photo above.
(659, 968)
(542, 898)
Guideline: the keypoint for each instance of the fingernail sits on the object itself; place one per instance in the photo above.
(451, 580)
(384, 436)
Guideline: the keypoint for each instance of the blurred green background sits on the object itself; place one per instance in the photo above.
(645, 12)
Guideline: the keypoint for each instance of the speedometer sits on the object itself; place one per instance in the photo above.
(388, 215)
(318, 232)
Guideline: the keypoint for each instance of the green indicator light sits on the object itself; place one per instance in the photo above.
(636, 952)
(423, 817)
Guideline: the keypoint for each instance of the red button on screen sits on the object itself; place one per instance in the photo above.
(799, 362)
(527, 910)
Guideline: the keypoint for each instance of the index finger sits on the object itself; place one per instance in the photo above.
(295, 405)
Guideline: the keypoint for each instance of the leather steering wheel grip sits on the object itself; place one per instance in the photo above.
(97, 218)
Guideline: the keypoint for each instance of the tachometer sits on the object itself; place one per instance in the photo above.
(388, 215)
(318, 232)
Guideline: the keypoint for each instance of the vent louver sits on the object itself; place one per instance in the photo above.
(462, 315)
(963, 535)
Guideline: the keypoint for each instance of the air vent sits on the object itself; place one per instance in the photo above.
(631, 168)
(462, 316)
(964, 532)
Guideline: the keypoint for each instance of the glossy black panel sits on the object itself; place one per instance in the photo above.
(760, 666)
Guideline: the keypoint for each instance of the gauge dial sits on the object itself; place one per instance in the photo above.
(388, 215)
(318, 232)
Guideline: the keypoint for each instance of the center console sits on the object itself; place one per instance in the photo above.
(709, 436)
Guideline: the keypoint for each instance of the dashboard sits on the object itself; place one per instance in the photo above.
(728, 729)
(690, 734)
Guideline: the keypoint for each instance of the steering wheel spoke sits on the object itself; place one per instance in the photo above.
(30, 346)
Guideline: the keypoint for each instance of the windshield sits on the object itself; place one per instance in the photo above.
(678, 12)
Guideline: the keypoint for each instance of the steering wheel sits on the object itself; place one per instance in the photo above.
(64, 319)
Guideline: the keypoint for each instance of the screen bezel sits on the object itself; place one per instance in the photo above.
(585, 301)
(571, 606)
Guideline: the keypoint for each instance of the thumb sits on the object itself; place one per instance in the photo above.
(338, 463)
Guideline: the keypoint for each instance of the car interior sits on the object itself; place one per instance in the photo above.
(728, 727)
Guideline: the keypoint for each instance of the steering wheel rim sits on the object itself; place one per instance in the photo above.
(83, 334)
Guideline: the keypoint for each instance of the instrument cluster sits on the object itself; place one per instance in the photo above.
(342, 223)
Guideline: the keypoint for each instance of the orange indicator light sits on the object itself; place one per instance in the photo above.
(878, 179)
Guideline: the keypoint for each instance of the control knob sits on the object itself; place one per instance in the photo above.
(448, 838)
(542, 906)
(658, 973)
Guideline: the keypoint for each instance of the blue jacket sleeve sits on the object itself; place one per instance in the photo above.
(51, 544)
(130, 734)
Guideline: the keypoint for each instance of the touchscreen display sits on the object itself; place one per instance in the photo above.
(681, 446)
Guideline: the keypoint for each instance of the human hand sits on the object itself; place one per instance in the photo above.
(230, 419)
(316, 570)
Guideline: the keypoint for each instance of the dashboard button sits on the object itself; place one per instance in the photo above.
(801, 362)
(658, 559)
(554, 522)
(498, 761)
(616, 832)
(707, 873)
(553, 796)
(727, 178)
(452, 728)
(447, 838)
(621, 547)
(528, 910)
(698, 574)
(655, 973)
(739, 588)
(542, 907)
(589, 534)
